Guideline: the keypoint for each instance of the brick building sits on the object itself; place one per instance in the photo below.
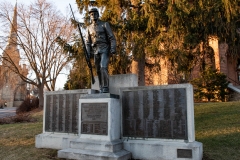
(166, 74)
(12, 88)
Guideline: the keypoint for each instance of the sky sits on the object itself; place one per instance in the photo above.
(63, 6)
(60, 4)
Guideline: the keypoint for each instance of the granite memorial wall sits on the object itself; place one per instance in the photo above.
(154, 113)
(61, 111)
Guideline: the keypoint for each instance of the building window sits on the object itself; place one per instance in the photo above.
(238, 69)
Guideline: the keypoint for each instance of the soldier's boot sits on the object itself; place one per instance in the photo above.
(100, 80)
(104, 80)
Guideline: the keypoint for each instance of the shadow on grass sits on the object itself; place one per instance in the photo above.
(222, 146)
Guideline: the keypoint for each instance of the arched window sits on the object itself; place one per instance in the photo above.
(238, 69)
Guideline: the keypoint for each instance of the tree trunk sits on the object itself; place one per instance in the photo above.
(40, 95)
(138, 67)
(141, 71)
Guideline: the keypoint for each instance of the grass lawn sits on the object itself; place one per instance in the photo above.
(17, 141)
(217, 126)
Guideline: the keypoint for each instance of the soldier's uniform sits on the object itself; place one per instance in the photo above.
(101, 41)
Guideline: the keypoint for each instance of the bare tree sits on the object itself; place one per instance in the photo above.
(38, 26)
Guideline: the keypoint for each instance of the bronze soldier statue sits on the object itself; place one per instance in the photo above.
(100, 41)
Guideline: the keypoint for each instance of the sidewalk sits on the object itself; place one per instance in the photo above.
(7, 112)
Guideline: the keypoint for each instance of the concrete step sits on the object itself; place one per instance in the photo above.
(71, 153)
(94, 145)
(237, 87)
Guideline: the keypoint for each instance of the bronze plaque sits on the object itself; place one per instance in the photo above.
(75, 113)
(155, 113)
(62, 113)
(184, 153)
(68, 115)
(55, 113)
(48, 112)
(94, 117)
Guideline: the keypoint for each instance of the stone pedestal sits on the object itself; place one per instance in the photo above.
(99, 130)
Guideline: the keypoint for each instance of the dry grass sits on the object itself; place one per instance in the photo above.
(217, 127)
(17, 141)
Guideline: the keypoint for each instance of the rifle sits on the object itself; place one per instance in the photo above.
(84, 48)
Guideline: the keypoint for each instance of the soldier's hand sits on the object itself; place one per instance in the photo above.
(112, 51)
(113, 57)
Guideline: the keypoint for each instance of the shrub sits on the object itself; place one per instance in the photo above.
(19, 118)
(28, 105)
(212, 85)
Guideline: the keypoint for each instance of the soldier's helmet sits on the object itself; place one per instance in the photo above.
(93, 10)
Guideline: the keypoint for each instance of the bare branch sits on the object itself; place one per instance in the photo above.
(38, 26)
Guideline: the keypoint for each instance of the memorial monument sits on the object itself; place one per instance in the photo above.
(146, 123)
(152, 122)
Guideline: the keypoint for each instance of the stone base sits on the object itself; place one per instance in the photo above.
(88, 149)
(164, 150)
(54, 140)
(118, 81)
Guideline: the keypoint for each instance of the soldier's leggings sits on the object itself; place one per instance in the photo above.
(101, 63)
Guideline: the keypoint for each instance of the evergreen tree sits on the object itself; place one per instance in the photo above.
(178, 30)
